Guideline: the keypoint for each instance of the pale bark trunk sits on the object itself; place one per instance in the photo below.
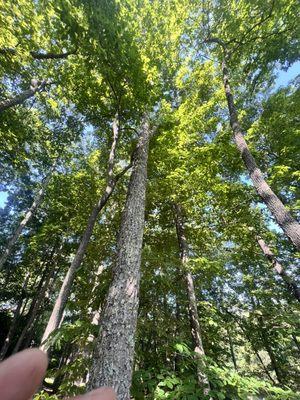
(114, 352)
(283, 217)
(278, 268)
(20, 98)
(27, 218)
(14, 321)
(60, 303)
(193, 311)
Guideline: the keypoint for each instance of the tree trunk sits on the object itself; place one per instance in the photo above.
(273, 360)
(114, 352)
(28, 216)
(284, 219)
(244, 329)
(193, 311)
(232, 351)
(14, 322)
(60, 303)
(20, 98)
(278, 268)
(34, 307)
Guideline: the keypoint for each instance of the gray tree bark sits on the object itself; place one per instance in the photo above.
(20, 98)
(114, 351)
(283, 217)
(111, 181)
(28, 216)
(278, 268)
(193, 311)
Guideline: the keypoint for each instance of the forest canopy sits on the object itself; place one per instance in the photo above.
(149, 196)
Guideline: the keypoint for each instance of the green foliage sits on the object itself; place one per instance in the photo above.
(128, 57)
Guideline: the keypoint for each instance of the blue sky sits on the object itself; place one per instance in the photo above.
(282, 80)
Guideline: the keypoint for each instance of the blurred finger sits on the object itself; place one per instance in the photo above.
(21, 374)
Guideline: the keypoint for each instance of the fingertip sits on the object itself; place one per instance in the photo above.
(22, 373)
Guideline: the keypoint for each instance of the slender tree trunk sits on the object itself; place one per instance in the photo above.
(176, 333)
(27, 218)
(284, 219)
(278, 268)
(14, 321)
(248, 338)
(232, 350)
(114, 352)
(20, 98)
(268, 347)
(34, 307)
(193, 311)
(60, 303)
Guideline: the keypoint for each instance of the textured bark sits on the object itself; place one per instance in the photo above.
(114, 351)
(193, 311)
(28, 216)
(14, 322)
(60, 303)
(284, 219)
(278, 268)
(20, 98)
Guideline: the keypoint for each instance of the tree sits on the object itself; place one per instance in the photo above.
(113, 356)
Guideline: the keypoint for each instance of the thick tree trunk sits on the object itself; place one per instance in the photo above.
(278, 268)
(27, 218)
(20, 98)
(193, 311)
(60, 303)
(14, 322)
(284, 219)
(114, 352)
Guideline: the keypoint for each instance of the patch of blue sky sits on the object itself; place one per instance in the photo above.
(3, 198)
(284, 77)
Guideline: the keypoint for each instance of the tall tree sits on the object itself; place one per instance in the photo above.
(193, 311)
(114, 351)
(111, 181)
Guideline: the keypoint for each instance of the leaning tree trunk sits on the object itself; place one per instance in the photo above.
(20, 98)
(114, 352)
(278, 268)
(284, 219)
(193, 311)
(27, 218)
(35, 305)
(60, 303)
(14, 322)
